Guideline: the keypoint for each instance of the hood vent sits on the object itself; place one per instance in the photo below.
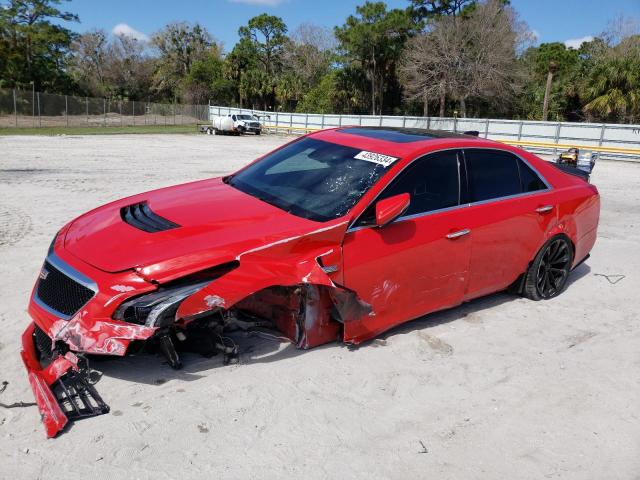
(140, 216)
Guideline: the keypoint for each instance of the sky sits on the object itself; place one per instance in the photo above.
(570, 21)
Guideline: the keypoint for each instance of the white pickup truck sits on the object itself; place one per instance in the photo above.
(237, 123)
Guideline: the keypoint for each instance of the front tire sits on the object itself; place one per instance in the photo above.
(547, 276)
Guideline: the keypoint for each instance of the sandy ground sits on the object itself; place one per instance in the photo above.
(498, 388)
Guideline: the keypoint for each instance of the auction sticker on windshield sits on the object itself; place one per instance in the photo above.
(378, 158)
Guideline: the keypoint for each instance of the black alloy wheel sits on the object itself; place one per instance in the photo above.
(548, 274)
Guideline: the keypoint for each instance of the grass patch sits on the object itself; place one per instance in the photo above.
(142, 129)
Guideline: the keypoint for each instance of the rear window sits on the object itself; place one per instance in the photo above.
(530, 180)
(492, 174)
(496, 174)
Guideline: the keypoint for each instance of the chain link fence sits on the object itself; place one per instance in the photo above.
(23, 109)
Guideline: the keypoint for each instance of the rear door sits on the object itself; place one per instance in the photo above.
(410, 267)
(511, 210)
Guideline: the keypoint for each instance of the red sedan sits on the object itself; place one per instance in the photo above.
(341, 234)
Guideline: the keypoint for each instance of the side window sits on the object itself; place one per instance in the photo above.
(233, 117)
(491, 174)
(530, 180)
(432, 181)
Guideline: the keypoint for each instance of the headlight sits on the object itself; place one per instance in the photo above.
(156, 309)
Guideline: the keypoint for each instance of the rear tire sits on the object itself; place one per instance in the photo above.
(548, 273)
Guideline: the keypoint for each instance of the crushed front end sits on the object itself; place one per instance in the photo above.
(70, 308)
(79, 310)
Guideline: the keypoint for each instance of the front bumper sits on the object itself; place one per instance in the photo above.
(62, 389)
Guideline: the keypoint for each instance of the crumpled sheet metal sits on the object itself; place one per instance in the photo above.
(98, 337)
(41, 379)
(288, 262)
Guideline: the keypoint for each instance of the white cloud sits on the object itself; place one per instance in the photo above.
(576, 42)
(264, 3)
(536, 35)
(127, 31)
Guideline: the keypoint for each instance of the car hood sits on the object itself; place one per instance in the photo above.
(216, 224)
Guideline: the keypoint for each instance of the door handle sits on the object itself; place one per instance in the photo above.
(459, 233)
(544, 209)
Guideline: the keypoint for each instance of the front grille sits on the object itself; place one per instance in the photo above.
(140, 216)
(43, 343)
(60, 292)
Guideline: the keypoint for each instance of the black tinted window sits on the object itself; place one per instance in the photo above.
(432, 182)
(492, 174)
(529, 179)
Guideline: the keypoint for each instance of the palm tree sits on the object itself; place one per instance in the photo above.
(612, 89)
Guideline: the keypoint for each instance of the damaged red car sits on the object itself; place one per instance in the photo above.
(338, 235)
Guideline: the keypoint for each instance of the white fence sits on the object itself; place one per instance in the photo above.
(599, 135)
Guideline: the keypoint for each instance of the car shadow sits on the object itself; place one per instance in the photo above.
(152, 369)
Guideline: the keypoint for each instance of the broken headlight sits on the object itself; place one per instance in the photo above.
(158, 308)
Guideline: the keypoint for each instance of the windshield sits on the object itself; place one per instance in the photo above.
(245, 117)
(313, 179)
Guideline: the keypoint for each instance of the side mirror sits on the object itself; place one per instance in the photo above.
(389, 209)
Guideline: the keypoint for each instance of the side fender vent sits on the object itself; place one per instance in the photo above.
(140, 216)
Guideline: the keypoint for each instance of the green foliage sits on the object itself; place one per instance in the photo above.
(611, 87)
(206, 81)
(179, 45)
(373, 40)
(34, 47)
(421, 10)
(321, 98)
(356, 68)
(566, 64)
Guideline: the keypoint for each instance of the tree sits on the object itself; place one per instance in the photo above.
(321, 98)
(306, 58)
(262, 42)
(179, 45)
(462, 58)
(610, 89)
(309, 52)
(35, 46)
(373, 40)
(89, 55)
(422, 10)
(128, 70)
(565, 65)
(116, 67)
(206, 80)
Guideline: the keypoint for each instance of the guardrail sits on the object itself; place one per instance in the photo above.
(612, 141)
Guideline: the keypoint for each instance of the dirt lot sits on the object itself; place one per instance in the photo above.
(498, 388)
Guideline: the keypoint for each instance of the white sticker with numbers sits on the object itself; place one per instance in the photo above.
(378, 158)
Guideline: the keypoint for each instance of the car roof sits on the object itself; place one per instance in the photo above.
(400, 142)
(400, 134)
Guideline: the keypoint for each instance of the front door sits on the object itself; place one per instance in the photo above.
(417, 264)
